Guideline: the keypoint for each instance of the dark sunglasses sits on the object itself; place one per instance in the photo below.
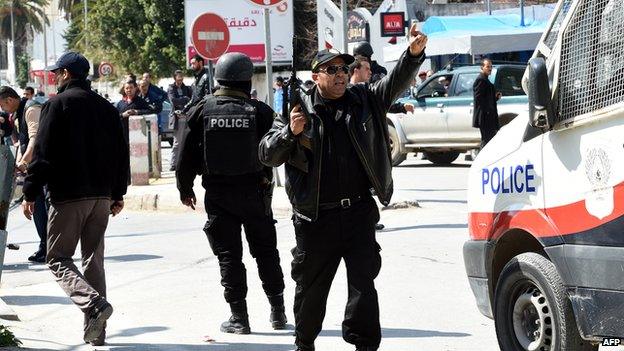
(331, 70)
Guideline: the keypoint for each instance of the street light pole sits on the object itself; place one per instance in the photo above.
(86, 24)
(345, 45)
(13, 56)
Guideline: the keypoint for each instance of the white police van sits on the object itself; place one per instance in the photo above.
(546, 195)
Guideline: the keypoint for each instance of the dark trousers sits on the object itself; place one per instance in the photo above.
(337, 234)
(229, 207)
(487, 133)
(40, 217)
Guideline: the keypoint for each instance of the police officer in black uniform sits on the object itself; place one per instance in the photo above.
(363, 48)
(222, 146)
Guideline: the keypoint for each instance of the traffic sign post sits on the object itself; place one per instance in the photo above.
(210, 36)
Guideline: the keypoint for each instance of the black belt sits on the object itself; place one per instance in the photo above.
(342, 204)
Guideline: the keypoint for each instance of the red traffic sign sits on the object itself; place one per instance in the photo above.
(210, 36)
(266, 3)
(105, 69)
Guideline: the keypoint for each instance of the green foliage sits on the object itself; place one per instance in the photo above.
(7, 338)
(22, 70)
(27, 15)
(137, 36)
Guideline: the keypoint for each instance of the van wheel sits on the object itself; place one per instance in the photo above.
(397, 156)
(442, 158)
(531, 308)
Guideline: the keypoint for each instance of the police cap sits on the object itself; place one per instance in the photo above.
(234, 67)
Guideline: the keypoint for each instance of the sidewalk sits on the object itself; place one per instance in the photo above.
(162, 194)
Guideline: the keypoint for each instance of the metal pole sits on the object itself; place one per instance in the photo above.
(13, 45)
(489, 7)
(522, 13)
(345, 42)
(267, 53)
(86, 24)
(45, 58)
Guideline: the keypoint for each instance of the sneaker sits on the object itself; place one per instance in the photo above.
(37, 257)
(379, 226)
(97, 321)
(100, 340)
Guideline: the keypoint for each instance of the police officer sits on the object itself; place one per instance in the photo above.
(335, 147)
(222, 146)
(363, 48)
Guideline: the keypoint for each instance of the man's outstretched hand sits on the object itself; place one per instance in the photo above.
(417, 41)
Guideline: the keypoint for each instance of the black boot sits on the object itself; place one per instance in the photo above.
(239, 321)
(278, 316)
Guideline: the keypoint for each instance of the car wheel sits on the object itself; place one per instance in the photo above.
(397, 156)
(532, 311)
(442, 158)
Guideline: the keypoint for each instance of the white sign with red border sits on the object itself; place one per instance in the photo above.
(245, 21)
(105, 69)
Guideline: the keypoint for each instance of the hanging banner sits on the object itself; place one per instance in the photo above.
(329, 25)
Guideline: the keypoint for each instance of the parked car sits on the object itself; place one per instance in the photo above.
(441, 125)
(166, 133)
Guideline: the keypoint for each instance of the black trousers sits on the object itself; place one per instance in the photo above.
(487, 133)
(229, 207)
(337, 234)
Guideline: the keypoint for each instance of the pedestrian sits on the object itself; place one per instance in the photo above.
(278, 93)
(201, 85)
(29, 93)
(155, 103)
(130, 105)
(179, 94)
(363, 48)
(81, 156)
(26, 113)
(485, 112)
(238, 187)
(360, 70)
(336, 149)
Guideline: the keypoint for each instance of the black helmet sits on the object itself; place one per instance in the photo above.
(363, 48)
(234, 67)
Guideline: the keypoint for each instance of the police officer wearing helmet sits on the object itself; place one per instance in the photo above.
(222, 146)
(363, 48)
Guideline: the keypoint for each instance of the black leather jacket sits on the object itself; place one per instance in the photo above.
(368, 129)
(201, 88)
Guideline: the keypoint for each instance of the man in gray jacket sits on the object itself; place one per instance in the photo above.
(336, 148)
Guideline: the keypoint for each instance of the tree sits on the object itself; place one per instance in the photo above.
(28, 15)
(138, 36)
(68, 6)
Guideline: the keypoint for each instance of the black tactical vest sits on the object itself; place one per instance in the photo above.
(230, 136)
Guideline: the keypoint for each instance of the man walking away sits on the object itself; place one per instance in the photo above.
(179, 95)
(485, 113)
(222, 146)
(336, 148)
(26, 113)
(81, 156)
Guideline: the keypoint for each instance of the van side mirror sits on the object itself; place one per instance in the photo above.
(541, 114)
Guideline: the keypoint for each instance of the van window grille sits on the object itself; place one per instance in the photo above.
(592, 59)
(551, 38)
